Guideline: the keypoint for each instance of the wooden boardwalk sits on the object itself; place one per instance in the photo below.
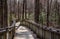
(23, 33)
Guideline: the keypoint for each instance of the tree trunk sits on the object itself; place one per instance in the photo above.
(48, 12)
(3, 15)
(24, 9)
(37, 11)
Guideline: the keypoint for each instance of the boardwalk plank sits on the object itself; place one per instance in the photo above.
(23, 33)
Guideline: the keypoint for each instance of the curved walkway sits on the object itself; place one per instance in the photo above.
(23, 33)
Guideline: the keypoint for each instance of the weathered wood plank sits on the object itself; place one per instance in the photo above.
(23, 33)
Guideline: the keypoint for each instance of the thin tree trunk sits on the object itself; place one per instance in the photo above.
(37, 11)
(1, 13)
(5, 17)
(23, 10)
(48, 12)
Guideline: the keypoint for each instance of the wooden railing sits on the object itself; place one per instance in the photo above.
(43, 32)
(10, 30)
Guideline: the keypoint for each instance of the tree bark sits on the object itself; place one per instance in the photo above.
(3, 15)
(48, 12)
(37, 11)
(24, 9)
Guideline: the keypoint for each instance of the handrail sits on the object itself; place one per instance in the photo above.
(50, 29)
(7, 29)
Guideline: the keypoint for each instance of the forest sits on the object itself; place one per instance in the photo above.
(48, 12)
